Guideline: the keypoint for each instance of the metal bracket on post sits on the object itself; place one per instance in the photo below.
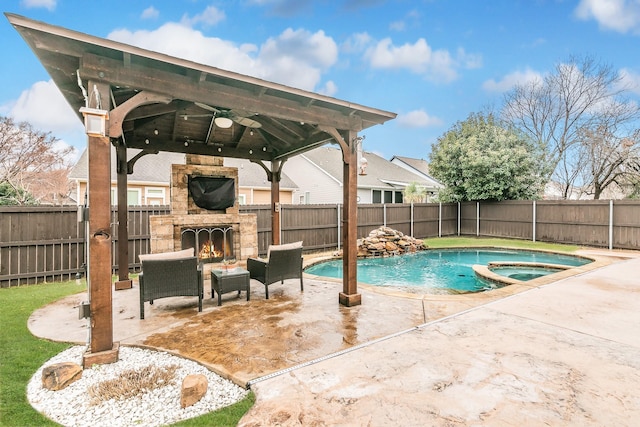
(84, 310)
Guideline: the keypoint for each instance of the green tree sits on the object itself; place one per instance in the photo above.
(414, 193)
(481, 159)
(10, 195)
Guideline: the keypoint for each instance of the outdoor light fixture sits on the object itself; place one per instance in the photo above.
(95, 121)
(363, 166)
(223, 122)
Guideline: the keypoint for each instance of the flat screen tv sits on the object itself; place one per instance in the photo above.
(212, 193)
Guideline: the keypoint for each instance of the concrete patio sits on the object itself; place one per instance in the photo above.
(550, 353)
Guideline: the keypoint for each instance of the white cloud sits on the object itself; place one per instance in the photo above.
(420, 58)
(210, 17)
(630, 80)
(329, 89)
(150, 13)
(418, 119)
(47, 4)
(72, 156)
(295, 58)
(184, 42)
(511, 80)
(358, 42)
(45, 108)
(617, 15)
(397, 26)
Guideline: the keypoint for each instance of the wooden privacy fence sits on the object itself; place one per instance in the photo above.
(47, 243)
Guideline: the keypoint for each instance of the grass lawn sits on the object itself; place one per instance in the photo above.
(22, 354)
(454, 242)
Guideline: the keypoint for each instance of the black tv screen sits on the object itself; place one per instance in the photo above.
(212, 193)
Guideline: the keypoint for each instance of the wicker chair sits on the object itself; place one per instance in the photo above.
(161, 278)
(283, 262)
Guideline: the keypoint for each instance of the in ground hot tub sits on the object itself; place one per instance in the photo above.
(506, 273)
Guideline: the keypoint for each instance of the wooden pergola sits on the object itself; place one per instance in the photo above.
(156, 102)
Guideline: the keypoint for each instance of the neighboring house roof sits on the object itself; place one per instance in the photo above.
(380, 173)
(251, 175)
(156, 168)
(419, 166)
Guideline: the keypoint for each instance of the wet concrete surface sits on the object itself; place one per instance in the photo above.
(552, 353)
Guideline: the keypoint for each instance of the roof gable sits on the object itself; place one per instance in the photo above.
(156, 168)
(379, 172)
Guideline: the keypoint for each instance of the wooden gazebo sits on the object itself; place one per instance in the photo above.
(155, 102)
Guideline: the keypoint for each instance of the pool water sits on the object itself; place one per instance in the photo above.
(437, 271)
(524, 273)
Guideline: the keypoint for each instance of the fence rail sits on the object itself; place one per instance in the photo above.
(48, 243)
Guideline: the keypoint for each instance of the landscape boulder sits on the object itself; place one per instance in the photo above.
(60, 375)
(194, 387)
(385, 241)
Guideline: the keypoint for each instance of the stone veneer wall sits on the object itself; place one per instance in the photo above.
(166, 229)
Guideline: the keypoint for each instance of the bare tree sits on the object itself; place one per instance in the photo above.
(31, 163)
(554, 110)
(610, 159)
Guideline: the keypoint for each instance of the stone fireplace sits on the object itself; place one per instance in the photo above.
(217, 235)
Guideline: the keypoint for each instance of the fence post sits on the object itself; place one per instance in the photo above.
(384, 215)
(534, 220)
(280, 222)
(440, 219)
(477, 219)
(458, 218)
(339, 230)
(411, 219)
(611, 224)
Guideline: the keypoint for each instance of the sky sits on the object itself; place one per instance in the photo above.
(432, 62)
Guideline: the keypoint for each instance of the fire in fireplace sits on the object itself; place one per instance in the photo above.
(211, 244)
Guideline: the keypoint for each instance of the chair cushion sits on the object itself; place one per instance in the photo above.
(185, 253)
(283, 247)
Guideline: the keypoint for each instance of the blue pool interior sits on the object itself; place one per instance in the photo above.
(437, 271)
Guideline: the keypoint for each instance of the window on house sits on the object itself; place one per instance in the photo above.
(398, 197)
(388, 196)
(377, 196)
(133, 197)
(154, 195)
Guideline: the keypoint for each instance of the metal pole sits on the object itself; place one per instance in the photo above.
(412, 218)
(458, 218)
(477, 219)
(611, 224)
(384, 214)
(534, 220)
(339, 230)
(440, 219)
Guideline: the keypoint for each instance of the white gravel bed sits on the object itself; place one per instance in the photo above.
(71, 405)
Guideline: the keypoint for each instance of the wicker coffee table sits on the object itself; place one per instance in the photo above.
(223, 281)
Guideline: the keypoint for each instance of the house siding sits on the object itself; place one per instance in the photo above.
(314, 185)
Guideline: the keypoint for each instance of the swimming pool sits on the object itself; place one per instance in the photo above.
(438, 270)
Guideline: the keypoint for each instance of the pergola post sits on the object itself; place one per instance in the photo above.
(101, 345)
(274, 173)
(275, 201)
(124, 282)
(349, 296)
